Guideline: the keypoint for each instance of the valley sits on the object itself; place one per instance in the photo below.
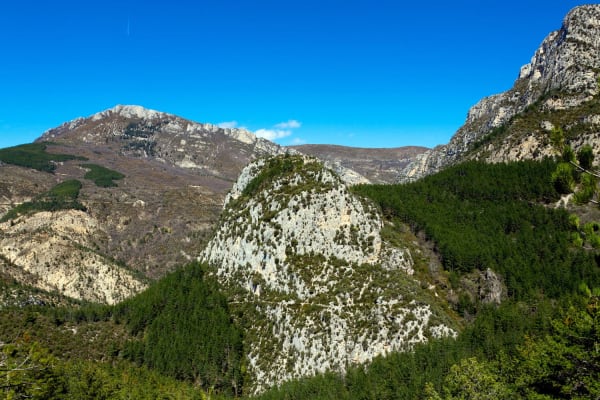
(143, 255)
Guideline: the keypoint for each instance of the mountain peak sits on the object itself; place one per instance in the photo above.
(130, 111)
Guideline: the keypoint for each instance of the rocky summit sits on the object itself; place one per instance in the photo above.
(319, 286)
(206, 149)
(557, 89)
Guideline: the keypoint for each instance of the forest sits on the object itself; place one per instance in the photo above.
(34, 155)
(179, 338)
(102, 176)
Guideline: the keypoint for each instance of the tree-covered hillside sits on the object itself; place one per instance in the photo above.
(176, 336)
(498, 216)
(179, 336)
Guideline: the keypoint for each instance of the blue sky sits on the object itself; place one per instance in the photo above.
(358, 73)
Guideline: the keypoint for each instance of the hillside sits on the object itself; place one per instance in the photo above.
(557, 90)
(377, 165)
(273, 322)
(306, 260)
(146, 256)
(152, 187)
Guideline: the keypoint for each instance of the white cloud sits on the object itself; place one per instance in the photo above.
(280, 130)
(272, 134)
(228, 124)
(291, 124)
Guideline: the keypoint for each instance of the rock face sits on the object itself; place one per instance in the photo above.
(561, 76)
(307, 267)
(54, 251)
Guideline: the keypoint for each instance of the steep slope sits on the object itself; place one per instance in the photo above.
(377, 165)
(316, 286)
(558, 89)
(54, 251)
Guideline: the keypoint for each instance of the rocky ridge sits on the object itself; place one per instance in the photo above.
(307, 266)
(205, 149)
(139, 132)
(562, 76)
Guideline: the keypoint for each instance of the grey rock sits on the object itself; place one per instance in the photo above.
(567, 62)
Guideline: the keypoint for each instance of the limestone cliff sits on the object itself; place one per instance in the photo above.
(315, 284)
(558, 88)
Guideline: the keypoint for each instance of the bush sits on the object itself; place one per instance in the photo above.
(585, 156)
(563, 179)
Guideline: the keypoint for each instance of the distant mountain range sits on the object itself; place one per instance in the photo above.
(378, 165)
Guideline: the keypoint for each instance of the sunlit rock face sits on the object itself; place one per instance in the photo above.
(53, 251)
(316, 285)
(562, 74)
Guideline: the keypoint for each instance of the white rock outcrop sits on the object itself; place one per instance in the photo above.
(307, 262)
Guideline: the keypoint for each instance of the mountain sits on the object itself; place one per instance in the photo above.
(215, 153)
(172, 174)
(557, 90)
(473, 281)
(377, 165)
(319, 285)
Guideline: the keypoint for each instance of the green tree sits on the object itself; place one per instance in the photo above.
(186, 331)
(585, 156)
(587, 188)
(563, 179)
(471, 380)
(568, 155)
(566, 362)
(27, 371)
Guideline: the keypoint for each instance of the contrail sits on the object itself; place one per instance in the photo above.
(128, 27)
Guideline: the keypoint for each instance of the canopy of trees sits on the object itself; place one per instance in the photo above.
(495, 216)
